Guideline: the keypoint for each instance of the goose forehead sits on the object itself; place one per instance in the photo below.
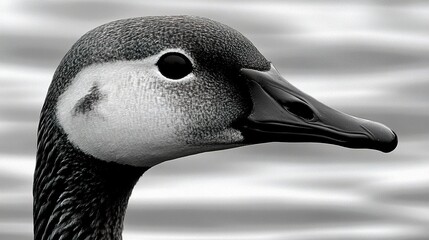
(125, 111)
(138, 38)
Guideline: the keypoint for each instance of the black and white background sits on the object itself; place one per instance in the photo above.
(366, 58)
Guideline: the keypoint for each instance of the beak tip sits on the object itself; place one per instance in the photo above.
(380, 137)
(389, 146)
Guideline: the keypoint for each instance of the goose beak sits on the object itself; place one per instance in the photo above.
(283, 113)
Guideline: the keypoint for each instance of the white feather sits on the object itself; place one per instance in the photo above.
(134, 119)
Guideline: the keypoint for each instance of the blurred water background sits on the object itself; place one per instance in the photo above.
(366, 58)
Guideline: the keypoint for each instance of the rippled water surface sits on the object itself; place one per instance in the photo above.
(367, 58)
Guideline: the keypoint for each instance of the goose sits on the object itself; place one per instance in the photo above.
(133, 93)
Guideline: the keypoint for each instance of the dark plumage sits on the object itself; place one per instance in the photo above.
(75, 195)
(87, 103)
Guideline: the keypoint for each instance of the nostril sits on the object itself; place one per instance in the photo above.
(300, 109)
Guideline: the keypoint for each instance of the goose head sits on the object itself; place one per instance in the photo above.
(142, 91)
(134, 93)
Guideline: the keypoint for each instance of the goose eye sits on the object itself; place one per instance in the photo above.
(174, 65)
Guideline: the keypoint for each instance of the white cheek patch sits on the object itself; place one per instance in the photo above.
(118, 112)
